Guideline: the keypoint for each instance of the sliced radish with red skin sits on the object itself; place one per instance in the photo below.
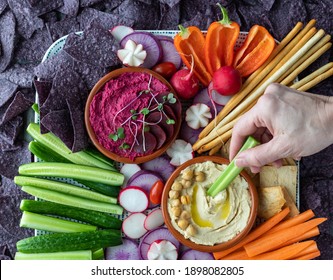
(203, 97)
(128, 170)
(198, 115)
(120, 31)
(145, 180)
(133, 225)
(153, 235)
(161, 165)
(154, 219)
(133, 199)
(180, 152)
(220, 99)
(196, 255)
(189, 134)
(162, 250)
(129, 250)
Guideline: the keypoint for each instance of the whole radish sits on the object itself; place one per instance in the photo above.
(185, 83)
(227, 80)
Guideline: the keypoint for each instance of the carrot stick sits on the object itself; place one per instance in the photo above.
(239, 254)
(309, 234)
(296, 220)
(310, 249)
(309, 256)
(284, 253)
(254, 234)
(274, 240)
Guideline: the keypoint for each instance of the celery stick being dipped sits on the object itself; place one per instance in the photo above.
(231, 171)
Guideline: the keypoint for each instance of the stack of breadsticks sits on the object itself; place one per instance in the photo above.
(300, 48)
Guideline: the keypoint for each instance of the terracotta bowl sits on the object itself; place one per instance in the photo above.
(216, 247)
(91, 132)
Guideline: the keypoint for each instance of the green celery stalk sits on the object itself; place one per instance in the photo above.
(70, 255)
(231, 171)
(43, 222)
(63, 188)
(51, 141)
(74, 171)
(75, 201)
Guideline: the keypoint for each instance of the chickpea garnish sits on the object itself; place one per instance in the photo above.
(186, 184)
(185, 215)
(185, 199)
(188, 175)
(173, 194)
(200, 176)
(176, 211)
(182, 224)
(175, 202)
(177, 186)
(190, 230)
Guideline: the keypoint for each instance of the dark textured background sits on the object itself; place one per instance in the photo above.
(278, 16)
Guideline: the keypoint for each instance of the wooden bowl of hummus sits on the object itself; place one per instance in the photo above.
(132, 115)
(202, 222)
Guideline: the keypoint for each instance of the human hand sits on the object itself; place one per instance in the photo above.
(288, 123)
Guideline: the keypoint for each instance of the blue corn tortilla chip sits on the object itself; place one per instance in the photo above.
(32, 50)
(59, 123)
(86, 3)
(70, 7)
(44, 6)
(21, 75)
(7, 39)
(61, 28)
(11, 160)
(19, 105)
(7, 90)
(170, 3)
(43, 88)
(10, 131)
(95, 46)
(170, 17)
(106, 20)
(27, 21)
(3, 5)
(140, 12)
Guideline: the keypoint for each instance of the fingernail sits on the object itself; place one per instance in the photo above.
(240, 161)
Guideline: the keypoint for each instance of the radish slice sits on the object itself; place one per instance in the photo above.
(145, 180)
(128, 170)
(189, 134)
(220, 99)
(132, 54)
(151, 44)
(129, 250)
(153, 235)
(120, 31)
(133, 225)
(198, 115)
(203, 97)
(160, 165)
(162, 250)
(154, 219)
(170, 53)
(180, 152)
(133, 199)
(196, 255)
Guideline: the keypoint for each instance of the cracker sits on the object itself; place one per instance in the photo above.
(271, 201)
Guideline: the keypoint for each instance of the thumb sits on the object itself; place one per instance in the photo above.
(259, 155)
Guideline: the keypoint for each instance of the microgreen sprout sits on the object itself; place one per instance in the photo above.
(118, 135)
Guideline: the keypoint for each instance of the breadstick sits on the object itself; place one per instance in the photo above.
(312, 76)
(306, 63)
(316, 81)
(221, 139)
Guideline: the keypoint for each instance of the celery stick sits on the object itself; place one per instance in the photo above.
(70, 255)
(63, 188)
(35, 108)
(231, 171)
(74, 171)
(98, 254)
(73, 200)
(43, 222)
(54, 143)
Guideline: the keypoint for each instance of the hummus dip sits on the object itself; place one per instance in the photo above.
(117, 105)
(201, 218)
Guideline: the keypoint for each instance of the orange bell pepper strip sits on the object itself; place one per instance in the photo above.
(189, 43)
(257, 47)
(220, 42)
